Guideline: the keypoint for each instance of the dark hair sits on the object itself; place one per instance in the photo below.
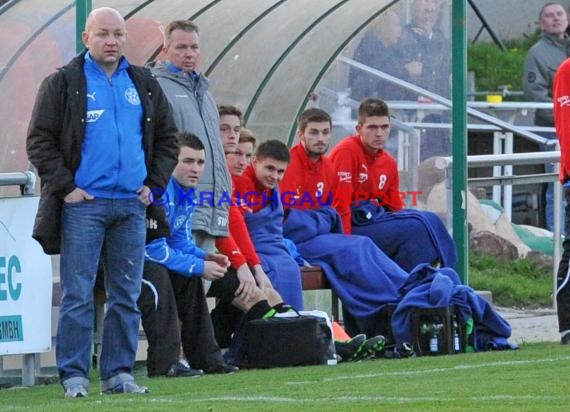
(273, 149)
(372, 107)
(184, 25)
(312, 115)
(229, 110)
(190, 140)
(246, 136)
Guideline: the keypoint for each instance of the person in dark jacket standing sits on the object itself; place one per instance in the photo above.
(540, 65)
(101, 137)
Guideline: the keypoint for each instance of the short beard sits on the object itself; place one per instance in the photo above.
(315, 154)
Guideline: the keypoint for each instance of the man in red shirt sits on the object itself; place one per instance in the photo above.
(309, 188)
(561, 99)
(238, 245)
(310, 180)
(364, 169)
(258, 199)
(254, 293)
(369, 175)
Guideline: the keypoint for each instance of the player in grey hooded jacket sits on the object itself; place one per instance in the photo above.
(195, 111)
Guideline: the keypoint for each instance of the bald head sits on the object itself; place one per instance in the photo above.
(105, 36)
(101, 12)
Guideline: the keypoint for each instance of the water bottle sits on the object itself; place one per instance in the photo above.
(434, 340)
(425, 335)
(456, 342)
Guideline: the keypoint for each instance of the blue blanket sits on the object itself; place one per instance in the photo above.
(363, 277)
(410, 237)
(427, 287)
(266, 230)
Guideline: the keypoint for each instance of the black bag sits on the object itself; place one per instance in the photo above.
(287, 341)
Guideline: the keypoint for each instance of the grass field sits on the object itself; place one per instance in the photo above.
(530, 379)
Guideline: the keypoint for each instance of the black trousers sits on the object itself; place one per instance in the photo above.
(175, 313)
(563, 277)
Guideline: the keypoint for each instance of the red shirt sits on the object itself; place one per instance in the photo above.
(362, 175)
(238, 246)
(251, 196)
(309, 184)
(561, 100)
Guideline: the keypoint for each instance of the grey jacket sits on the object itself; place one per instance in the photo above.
(195, 111)
(541, 63)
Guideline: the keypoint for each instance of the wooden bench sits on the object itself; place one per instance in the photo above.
(313, 278)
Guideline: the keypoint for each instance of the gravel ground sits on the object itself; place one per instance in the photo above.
(539, 325)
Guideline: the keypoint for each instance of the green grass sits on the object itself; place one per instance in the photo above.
(520, 284)
(530, 379)
(494, 67)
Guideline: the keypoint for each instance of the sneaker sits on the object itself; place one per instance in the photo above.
(181, 369)
(289, 313)
(126, 387)
(401, 350)
(223, 368)
(349, 349)
(565, 339)
(76, 390)
(374, 347)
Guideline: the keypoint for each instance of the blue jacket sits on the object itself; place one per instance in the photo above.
(177, 252)
(112, 157)
(56, 134)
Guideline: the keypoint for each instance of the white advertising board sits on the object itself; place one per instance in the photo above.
(25, 281)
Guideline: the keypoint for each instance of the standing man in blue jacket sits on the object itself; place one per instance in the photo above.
(101, 137)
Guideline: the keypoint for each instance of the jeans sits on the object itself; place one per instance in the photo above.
(549, 198)
(112, 230)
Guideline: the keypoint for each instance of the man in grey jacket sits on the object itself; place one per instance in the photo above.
(540, 65)
(195, 111)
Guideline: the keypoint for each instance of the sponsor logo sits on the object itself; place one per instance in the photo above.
(344, 176)
(11, 329)
(91, 95)
(563, 101)
(94, 115)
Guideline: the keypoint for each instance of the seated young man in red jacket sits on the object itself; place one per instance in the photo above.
(258, 199)
(368, 176)
(309, 188)
(255, 289)
(238, 246)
